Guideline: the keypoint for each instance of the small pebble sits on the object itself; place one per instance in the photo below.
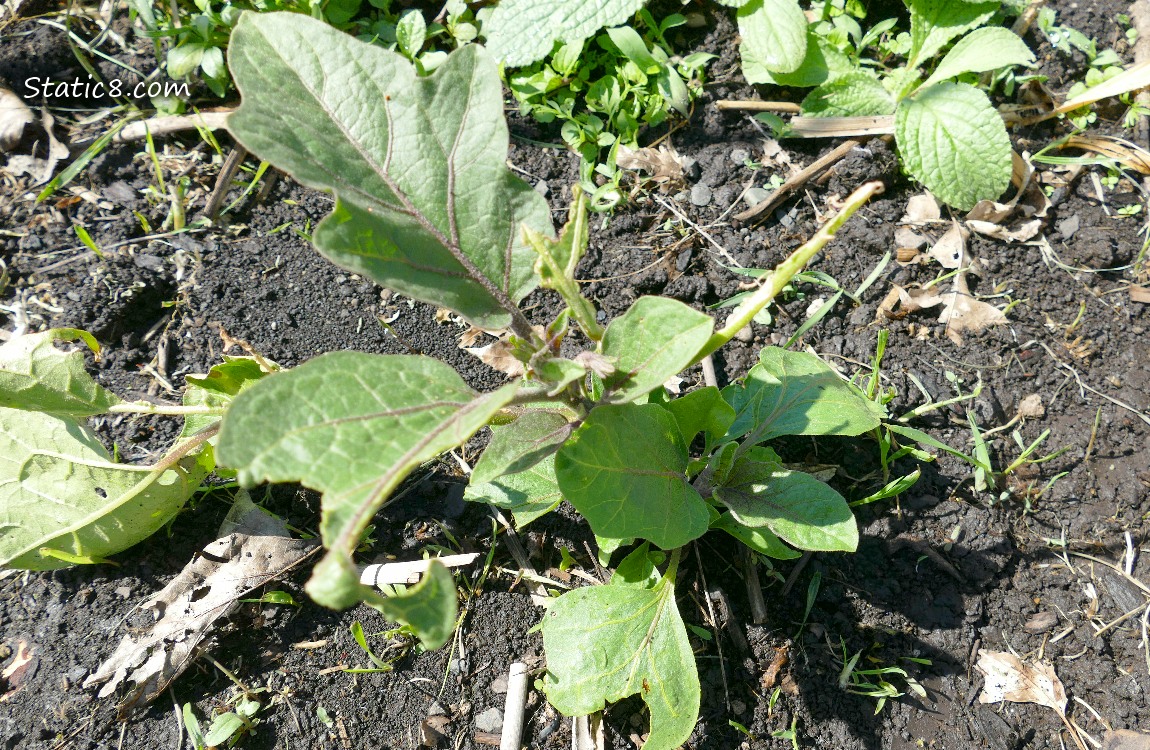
(754, 196)
(700, 195)
(543, 188)
(499, 684)
(490, 720)
(123, 592)
(681, 196)
(1041, 623)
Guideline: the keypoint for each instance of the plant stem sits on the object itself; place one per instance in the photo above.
(774, 282)
(144, 407)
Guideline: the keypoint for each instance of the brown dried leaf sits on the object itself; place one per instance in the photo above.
(187, 608)
(950, 250)
(962, 312)
(1024, 212)
(1140, 294)
(1010, 679)
(661, 164)
(922, 208)
(1125, 739)
(22, 669)
(14, 116)
(498, 355)
(1129, 154)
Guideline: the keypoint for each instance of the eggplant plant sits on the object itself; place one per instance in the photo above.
(426, 206)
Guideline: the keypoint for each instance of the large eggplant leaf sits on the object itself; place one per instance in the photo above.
(518, 446)
(795, 393)
(528, 494)
(352, 426)
(624, 471)
(63, 501)
(520, 32)
(605, 643)
(654, 340)
(797, 507)
(702, 410)
(36, 375)
(759, 539)
(430, 607)
(425, 202)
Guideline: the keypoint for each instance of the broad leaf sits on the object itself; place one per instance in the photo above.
(655, 339)
(852, 95)
(425, 203)
(702, 410)
(35, 375)
(522, 444)
(823, 62)
(933, 23)
(62, 500)
(795, 393)
(953, 141)
(639, 568)
(430, 607)
(774, 35)
(981, 50)
(760, 540)
(529, 494)
(217, 389)
(352, 426)
(623, 470)
(520, 32)
(605, 643)
(794, 505)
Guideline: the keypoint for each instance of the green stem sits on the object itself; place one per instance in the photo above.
(673, 565)
(143, 407)
(773, 283)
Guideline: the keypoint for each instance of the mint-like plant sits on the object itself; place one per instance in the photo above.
(948, 134)
(426, 205)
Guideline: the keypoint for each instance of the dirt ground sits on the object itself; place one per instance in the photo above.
(947, 571)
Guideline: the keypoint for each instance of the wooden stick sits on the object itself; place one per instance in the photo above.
(135, 131)
(839, 127)
(798, 180)
(727, 105)
(513, 709)
(390, 574)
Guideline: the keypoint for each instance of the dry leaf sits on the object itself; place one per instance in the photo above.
(1020, 218)
(661, 165)
(39, 169)
(498, 355)
(1010, 679)
(950, 250)
(1140, 294)
(1124, 739)
(470, 336)
(22, 669)
(962, 312)
(922, 208)
(1031, 407)
(1129, 154)
(14, 116)
(205, 590)
(602, 366)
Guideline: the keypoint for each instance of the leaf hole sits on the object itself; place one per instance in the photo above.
(100, 491)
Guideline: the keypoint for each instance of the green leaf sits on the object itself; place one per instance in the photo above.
(774, 35)
(933, 23)
(63, 501)
(217, 389)
(760, 540)
(223, 728)
(634, 48)
(702, 410)
(520, 445)
(430, 607)
(529, 494)
(639, 568)
(953, 141)
(981, 50)
(795, 393)
(35, 375)
(605, 643)
(857, 94)
(655, 339)
(520, 32)
(623, 469)
(794, 505)
(425, 203)
(823, 62)
(352, 426)
(411, 32)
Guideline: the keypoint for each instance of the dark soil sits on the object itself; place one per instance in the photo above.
(946, 572)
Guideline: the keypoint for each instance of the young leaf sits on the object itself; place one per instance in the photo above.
(953, 141)
(520, 32)
(35, 375)
(856, 94)
(63, 501)
(425, 203)
(981, 50)
(352, 426)
(794, 505)
(430, 607)
(529, 494)
(623, 469)
(656, 338)
(933, 23)
(605, 643)
(522, 444)
(702, 410)
(760, 540)
(639, 568)
(795, 393)
(217, 389)
(774, 35)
